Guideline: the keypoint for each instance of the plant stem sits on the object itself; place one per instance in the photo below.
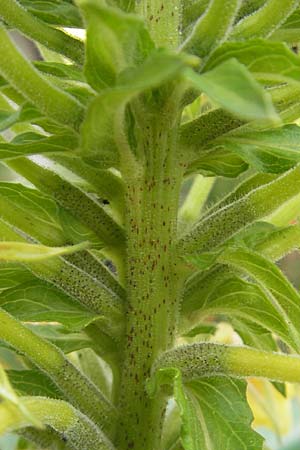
(152, 279)
(163, 20)
(16, 16)
(51, 360)
(77, 429)
(27, 80)
(208, 359)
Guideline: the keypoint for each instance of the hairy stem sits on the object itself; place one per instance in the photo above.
(16, 16)
(152, 280)
(207, 359)
(82, 393)
(73, 427)
(27, 80)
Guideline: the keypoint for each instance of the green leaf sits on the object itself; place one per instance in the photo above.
(289, 30)
(12, 274)
(220, 162)
(115, 41)
(212, 28)
(33, 382)
(67, 341)
(8, 394)
(283, 295)
(28, 144)
(210, 409)
(216, 228)
(107, 110)
(232, 86)
(221, 407)
(54, 12)
(26, 113)
(267, 60)
(241, 300)
(37, 301)
(272, 151)
(18, 251)
(60, 70)
(84, 208)
(264, 21)
(242, 189)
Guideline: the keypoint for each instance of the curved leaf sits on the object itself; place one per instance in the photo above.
(19, 251)
(232, 86)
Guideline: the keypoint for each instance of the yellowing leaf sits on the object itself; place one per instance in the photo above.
(7, 393)
(270, 408)
(18, 251)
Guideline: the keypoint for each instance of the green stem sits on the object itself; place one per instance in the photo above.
(27, 80)
(163, 20)
(207, 359)
(51, 360)
(17, 17)
(75, 428)
(221, 225)
(191, 209)
(152, 280)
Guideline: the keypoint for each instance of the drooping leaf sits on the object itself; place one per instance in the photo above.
(18, 251)
(40, 302)
(47, 98)
(233, 87)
